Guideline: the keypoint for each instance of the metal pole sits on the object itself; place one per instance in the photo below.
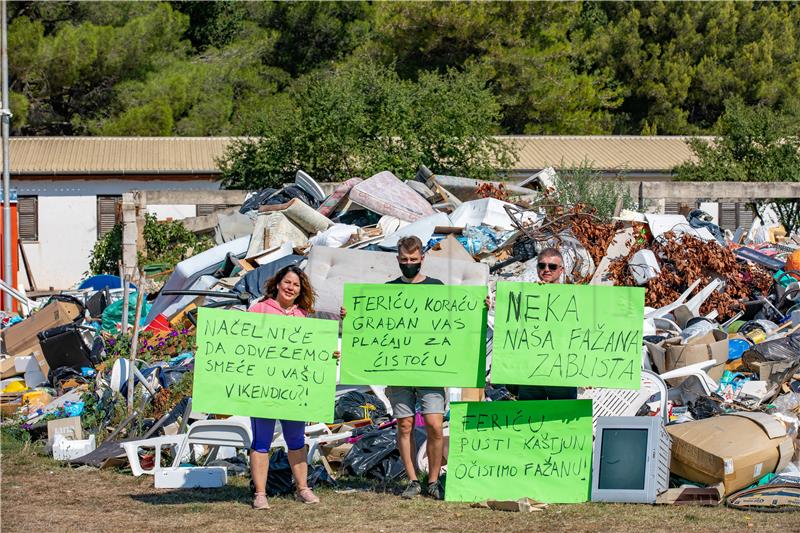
(8, 275)
(135, 342)
(125, 291)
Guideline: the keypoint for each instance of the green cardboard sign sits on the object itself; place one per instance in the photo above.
(568, 335)
(511, 450)
(267, 366)
(414, 335)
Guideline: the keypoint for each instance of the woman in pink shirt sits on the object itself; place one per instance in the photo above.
(288, 293)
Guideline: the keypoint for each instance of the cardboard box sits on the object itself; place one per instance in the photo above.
(8, 368)
(336, 454)
(69, 427)
(712, 345)
(20, 339)
(736, 449)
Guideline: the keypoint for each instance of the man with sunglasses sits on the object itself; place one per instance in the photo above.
(550, 268)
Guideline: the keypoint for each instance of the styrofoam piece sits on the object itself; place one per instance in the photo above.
(660, 224)
(189, 270)
(390, 224)
(422, 228)
(25, 363)
(544, 179)
(644, 266)
(66, 450)
(335, 237)
(268, 256)
(487, 211)
(753, 389)
(385, 194)
(232, 226)
(34, 377)
(307, 183)
(194, 477)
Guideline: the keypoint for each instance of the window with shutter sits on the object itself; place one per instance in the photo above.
(728, 217)
(207, 209)
(109, 213)
(28, 215)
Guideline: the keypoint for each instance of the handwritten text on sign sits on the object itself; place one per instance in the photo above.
(268, 366)
(414, 335)
(510, 450)
(568, 335)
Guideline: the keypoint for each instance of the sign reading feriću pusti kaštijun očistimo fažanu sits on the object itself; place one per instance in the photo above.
(556, 335)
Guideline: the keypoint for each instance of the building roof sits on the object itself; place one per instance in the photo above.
(115, 155)
(198, 155)
(602, 152)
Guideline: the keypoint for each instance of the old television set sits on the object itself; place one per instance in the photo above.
(631, 459)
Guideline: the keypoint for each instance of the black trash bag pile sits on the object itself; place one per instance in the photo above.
(781, 357)
(280, 481)
(271, 196)
(357, 405)
(375, 456)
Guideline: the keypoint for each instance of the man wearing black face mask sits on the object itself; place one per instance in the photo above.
(410, 258)
(404, 399)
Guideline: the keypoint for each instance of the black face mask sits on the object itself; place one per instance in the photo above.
(410, 270)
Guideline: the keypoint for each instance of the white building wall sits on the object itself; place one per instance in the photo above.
(68, 222)
(173, 212)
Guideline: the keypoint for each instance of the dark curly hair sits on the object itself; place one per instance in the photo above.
(305, 300)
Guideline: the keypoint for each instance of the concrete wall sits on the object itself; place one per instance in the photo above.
(68, 222)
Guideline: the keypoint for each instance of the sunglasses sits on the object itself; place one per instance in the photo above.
(552, 267)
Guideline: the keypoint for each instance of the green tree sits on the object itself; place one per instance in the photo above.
(68, 76)
(754, 144)
(362, 118)
(532, 53)
(677, 62)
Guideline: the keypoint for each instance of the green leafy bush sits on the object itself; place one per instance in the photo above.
(166, 242)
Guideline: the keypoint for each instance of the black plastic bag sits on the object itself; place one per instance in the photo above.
(257, 200)
(357, 405)
(375, 456)
(279, 477)
(784, 349)
(169, 376)
(704, 407)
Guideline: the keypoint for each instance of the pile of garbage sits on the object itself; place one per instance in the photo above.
(722, 326)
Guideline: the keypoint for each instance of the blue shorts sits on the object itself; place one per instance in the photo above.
(294, 433)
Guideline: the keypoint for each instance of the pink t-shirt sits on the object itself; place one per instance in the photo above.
(272, 307)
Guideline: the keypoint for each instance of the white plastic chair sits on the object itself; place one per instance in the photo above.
(625, 402)
(234, 432)
(698, 371)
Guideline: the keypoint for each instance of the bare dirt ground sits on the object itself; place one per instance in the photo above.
(37, 494)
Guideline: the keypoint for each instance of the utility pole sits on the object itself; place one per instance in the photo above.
(8, 275)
